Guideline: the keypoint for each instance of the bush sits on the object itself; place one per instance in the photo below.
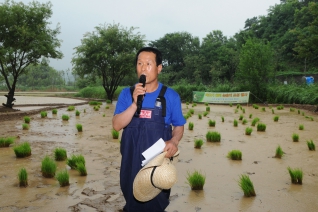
(22, 150)
(196, 180)
(48, 167)
(6, 142)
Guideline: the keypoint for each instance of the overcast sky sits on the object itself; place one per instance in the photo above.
(153, 18)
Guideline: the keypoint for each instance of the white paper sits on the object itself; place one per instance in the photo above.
(153, 151)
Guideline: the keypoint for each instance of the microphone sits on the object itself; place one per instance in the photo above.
(142, 80)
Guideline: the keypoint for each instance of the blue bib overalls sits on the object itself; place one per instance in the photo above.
(139, 135)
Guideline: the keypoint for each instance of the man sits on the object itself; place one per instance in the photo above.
(160, 109)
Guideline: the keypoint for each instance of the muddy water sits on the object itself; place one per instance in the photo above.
(99, 191)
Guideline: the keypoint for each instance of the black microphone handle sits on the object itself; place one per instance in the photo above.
(142, 80)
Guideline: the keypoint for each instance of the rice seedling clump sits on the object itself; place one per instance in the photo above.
(22, 150)
(48, 167)
(196, 180)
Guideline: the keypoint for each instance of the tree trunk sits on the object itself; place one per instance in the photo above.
(10, 99)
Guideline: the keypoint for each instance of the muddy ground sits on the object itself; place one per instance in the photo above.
(100, 191)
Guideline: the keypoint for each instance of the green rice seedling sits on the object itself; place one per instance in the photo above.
(243, 110)
(263, 109)
(115, 134)
(235, 155)
(26, 119)
(22, 150)
(261, 127)
(84, 110)
(80, 167)
(6, 142)
(48, 167)
(295, 137)
(63, 177)
(54, 111)
(273, 112)
(236, 111)
(25, 126)
(77, 113)
(231, 104)
(94, 103)
(23, 177)
(298, 111)
(296, 175)
(238, 106)
(307, 117)
(279, 152)
(198, 143)
(43, 114)
(206, 104)
(194, 104)
(270, 107)
(79, 127)
(244, 121)
(205, 113)
(256, 106)
(107, 107)
(189, 114)
(65, 117)
(207, 109)
(311, 118)
(211, 123)
(196, 180)
(280, 107)
(104, 115)
(302, 113)
(187, 103)
(200, 116)
(108, 101)
(255, 120)
(185, 117)
(250, 116)
(276, 118)
(241, 117)
(60, 154)
(190, 126)
(292, 109)
(222, 118)
(301, 127)
(71, 108)
(213, 136)
(75, 159)
(235, 123)
(247, 186)
(248, 130)
(311, 145)
(191, 111)
(96, 108)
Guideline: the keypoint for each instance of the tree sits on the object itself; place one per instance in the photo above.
(24, 38)
(108, 53)
(255, 67)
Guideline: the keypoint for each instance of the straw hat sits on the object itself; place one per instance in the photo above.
(158, 174)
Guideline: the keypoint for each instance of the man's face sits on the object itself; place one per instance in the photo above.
(146, 64)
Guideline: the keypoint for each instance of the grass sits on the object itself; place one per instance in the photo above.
(65, 117)
(94, 103)
(261, 127)
(301, 127)
(79, 127)
(247, 186)
(63, 178)
(292, 109)
(296, 175)
(273, 112)
(96, 107)
(74, 160)
(77, 113)
(298, 111)
(311, 118)
(200, 116)
(211, 123)
(243, 110)
(25, 126)
(248, 131)
(207, 109)
(311, 145)
(198, 143)
(279, 152)
(236, 111)
(80, 167)
(263, 109)
(43, 114)
(295, 137)
(26, 119)
(6, 142)
(235, 155)
(250, 116)
(196, 180)
(276, 118)
(190, 126)
(108, 101)
(213, 136)
(244, 121)
(222, 118)
(70, 108)
(22, 150)
(191, 111)
(23, 177)
(48, 167)
(241, 117)
(205, 113)
(235, 123)
(115, 134)
(231, 104)
(107, 107)
(280, 107)
(60, 154)
(54, 111)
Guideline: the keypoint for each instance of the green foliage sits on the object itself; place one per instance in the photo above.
(296, 175)
(54, 111)
(295, 137)
(244, 121)
(80, 167)
(198, 143)
(43, 114)
(26, 119)
(255, 120)
(200, 116)
(74, 160)
(191, 111)
(235, 123)
(5, 142)
(263, 109)
(115, 134)
(207, 109)
(301, 127)
(77, 113)
(205, 113)
(190, 126)
(196, 180)
(279, 152)
(79, 127)
(247, 186)
(261, 127)
(235, 155)
(248, 130)
(63, 178)
(60, 154)
(276, 118)
(311, 145)
(213, 136)
(25, 126)
(292, 109)
(241, 117)
(71, 108)
(250, 116)
(48, 167)
(22, 150)
(23, 177)
(222, 118)
(65, 117)
(212, 123)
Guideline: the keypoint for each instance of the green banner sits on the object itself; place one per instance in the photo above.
(221, 97)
